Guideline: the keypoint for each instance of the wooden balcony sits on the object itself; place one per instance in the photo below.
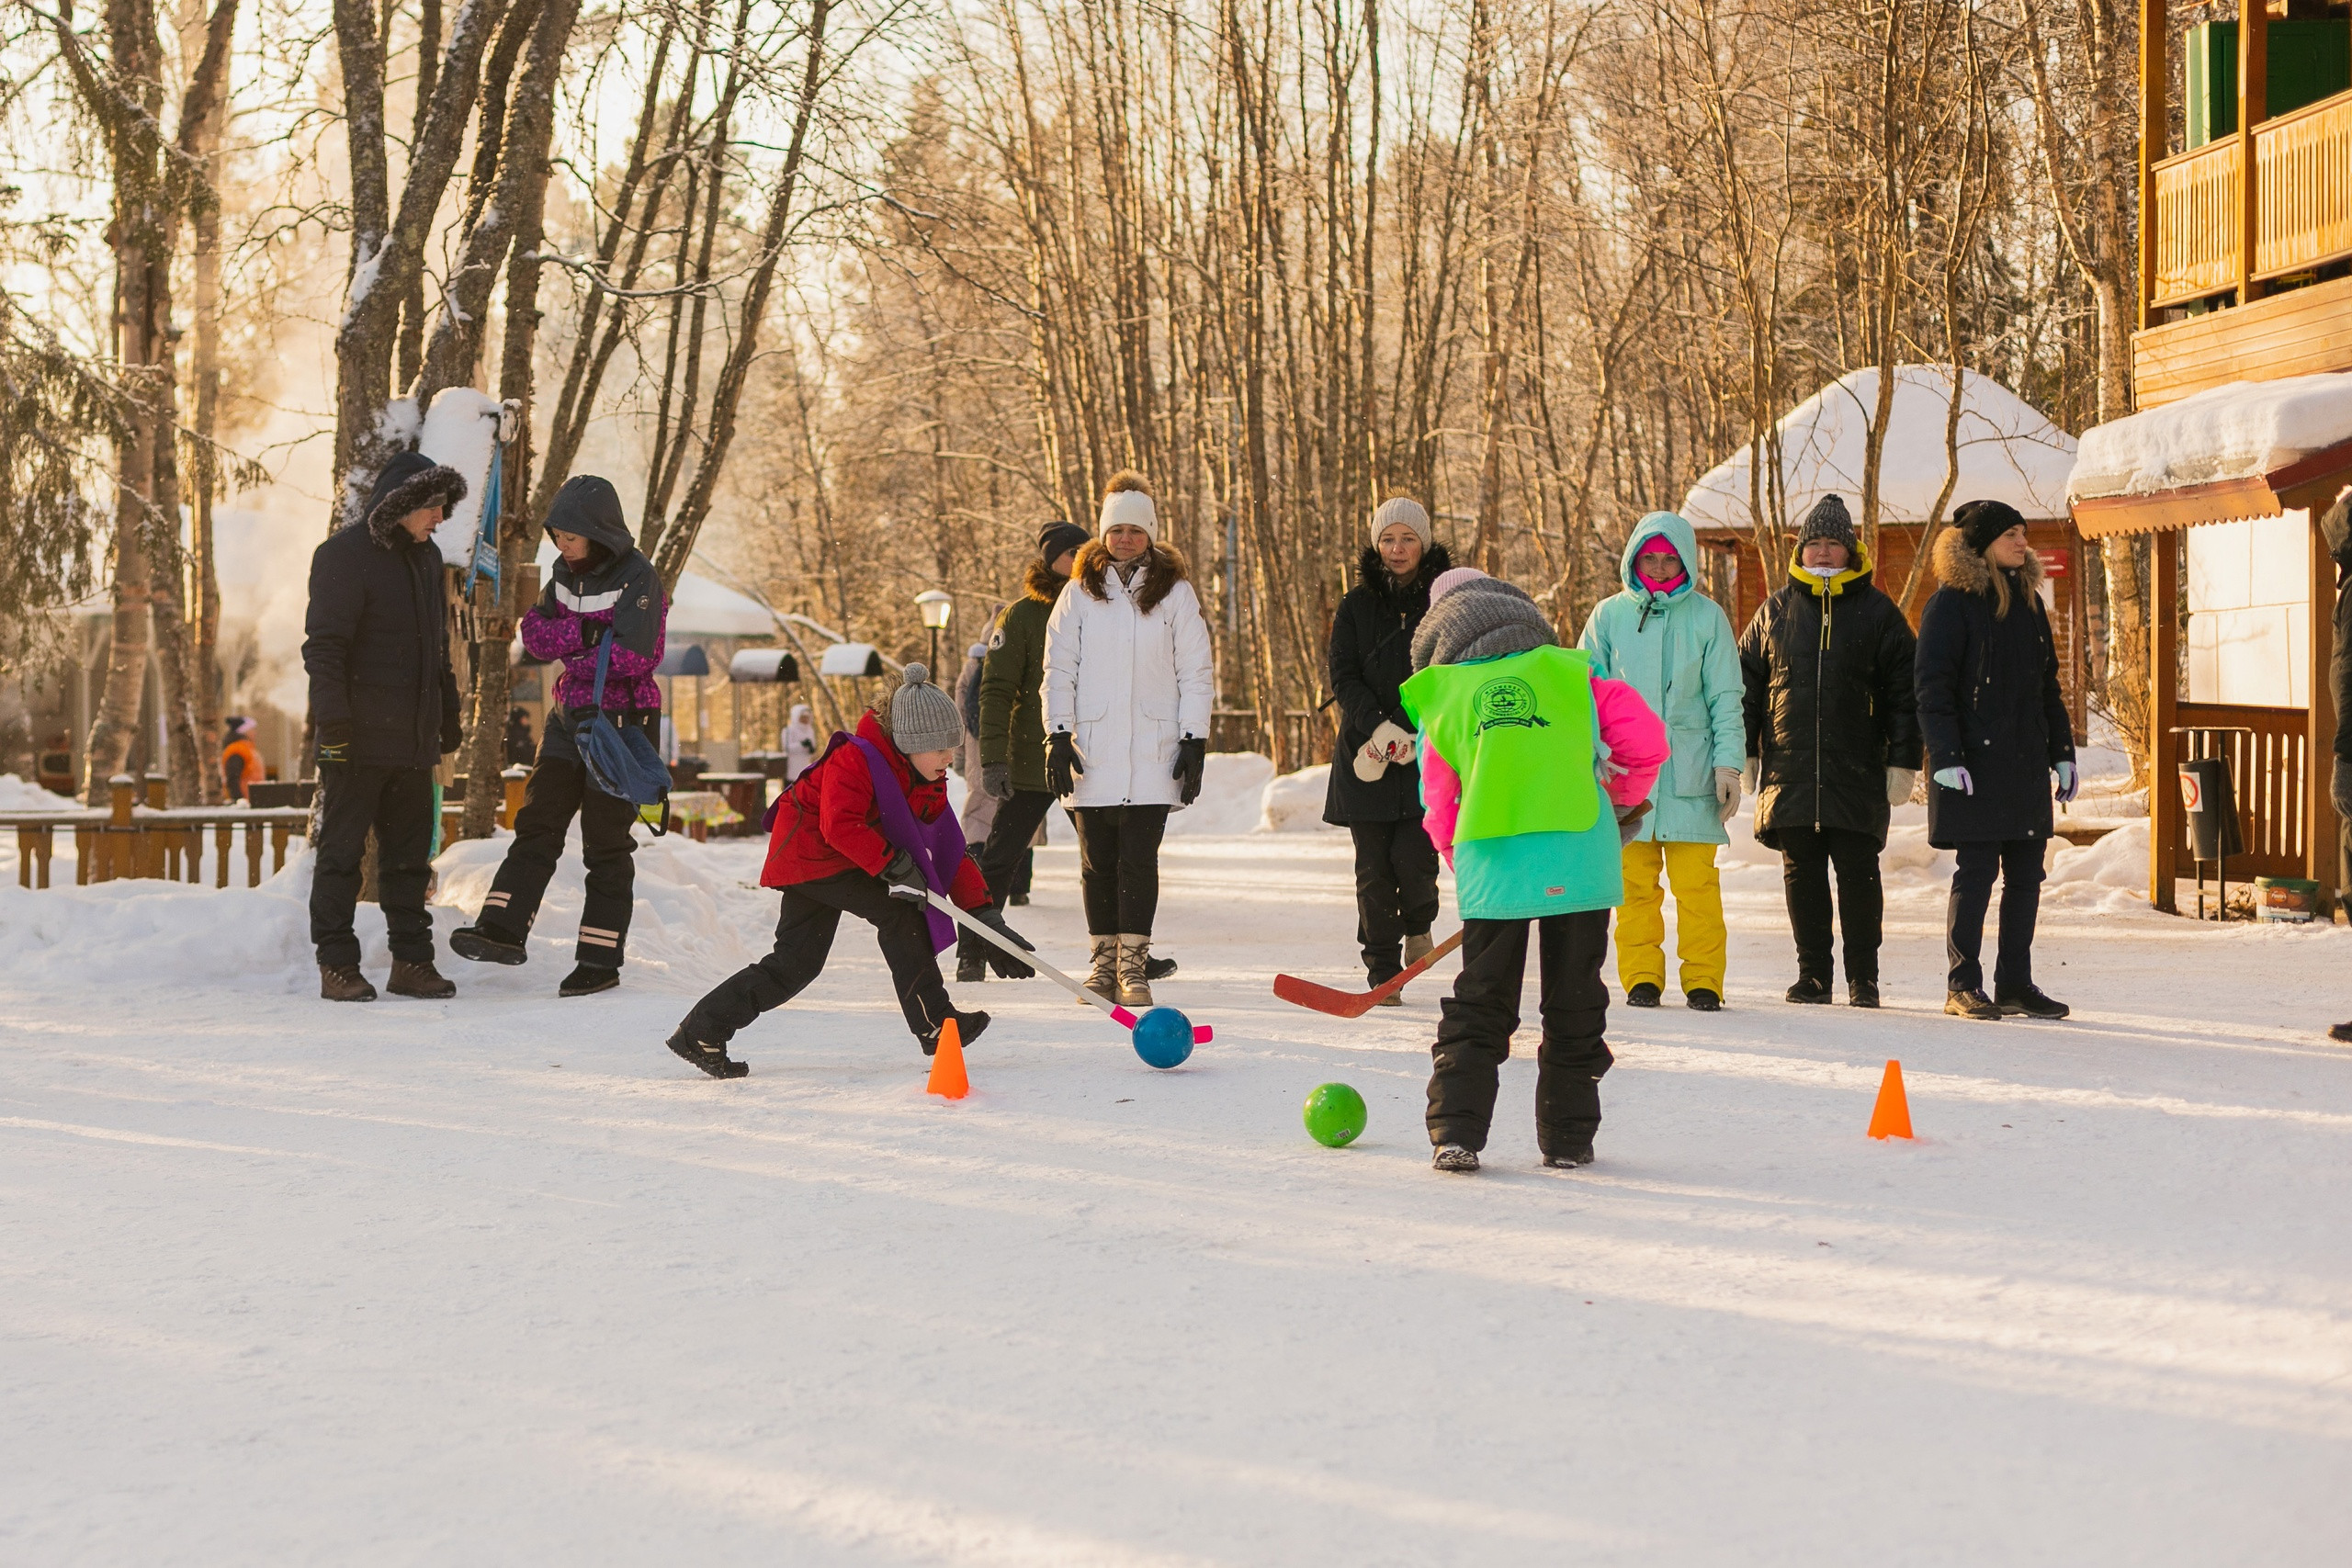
(2197, 202)
(2302, 207)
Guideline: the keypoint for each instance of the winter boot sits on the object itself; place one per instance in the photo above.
(969, 1026)
(1568, 1159)
(1417, 947)
(1642, 996)
(711, 1059)
(587, 979)
(2341, 1032)
(420, 980)
(1971, 1004)
(1455, 1158)
(487, 944)
(1703, 1000)
(345, 983)
(971, 959)
(1809, 991)
(1104, 978)
(1158, 968)
(2032, 1003)
(1134, 985)
(1862, 993)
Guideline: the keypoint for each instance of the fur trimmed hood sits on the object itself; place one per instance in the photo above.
(1042, 582)
(1163, 570)
(1960, 568)
(409, 480)
(1413, 593)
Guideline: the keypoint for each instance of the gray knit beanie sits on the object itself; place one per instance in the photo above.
(923, 717)
(1483, 618)
(1406, 510)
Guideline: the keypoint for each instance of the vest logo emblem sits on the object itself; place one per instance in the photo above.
(1509, 701)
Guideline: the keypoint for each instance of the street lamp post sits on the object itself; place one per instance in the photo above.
(937, 608)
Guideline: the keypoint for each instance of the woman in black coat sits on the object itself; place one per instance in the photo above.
(1375, 790)
(1833, 743)
(1997, 729)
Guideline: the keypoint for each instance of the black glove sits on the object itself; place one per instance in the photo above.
(452, 736)
(904, 878)
(1191, 757)
(996, 780)
(334, 744)
(1061, 763)
(1007, 968)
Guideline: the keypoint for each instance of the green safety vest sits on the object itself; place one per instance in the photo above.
(1521, 731)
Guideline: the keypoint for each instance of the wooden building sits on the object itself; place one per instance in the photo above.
(2242, 369)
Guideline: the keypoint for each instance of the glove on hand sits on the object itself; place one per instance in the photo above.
(1752, 775)
(996, 780)
(1629, 821)
(1899, 784)
(334, 745)
(1956, 778)
(1192, 761)
(2068, 781)
(452, 735)
(1061, 763)
(1727, 793)
(1007, 968)
(905, 879)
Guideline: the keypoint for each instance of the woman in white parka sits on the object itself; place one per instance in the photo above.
(1128, 685)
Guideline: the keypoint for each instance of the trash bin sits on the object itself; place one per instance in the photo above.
(2212, 809)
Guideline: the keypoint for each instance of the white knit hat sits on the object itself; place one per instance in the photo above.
(1401, 509)
(1133, 507)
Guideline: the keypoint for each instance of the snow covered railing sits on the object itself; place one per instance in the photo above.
(129, 840)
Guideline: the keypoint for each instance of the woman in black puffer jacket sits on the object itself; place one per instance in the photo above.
(1375, 790)
(1833, 742)
(1997, 729)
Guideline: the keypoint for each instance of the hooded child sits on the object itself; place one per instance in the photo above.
(1534, 770)
(799, 743)
(1675, 646)
(602, 601)
(866, 832)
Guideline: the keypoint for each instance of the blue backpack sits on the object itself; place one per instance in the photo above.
(620, 762)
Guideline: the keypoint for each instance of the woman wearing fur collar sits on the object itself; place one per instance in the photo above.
(1997, 729)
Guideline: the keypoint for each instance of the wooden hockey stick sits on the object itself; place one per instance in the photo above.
(1355, 1004)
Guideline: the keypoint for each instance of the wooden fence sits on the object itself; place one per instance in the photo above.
(2265, 749)
(152, 841)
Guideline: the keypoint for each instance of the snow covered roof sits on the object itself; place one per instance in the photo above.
(2233, 431)
(2009, 451)
(462, 432)
(703, 608)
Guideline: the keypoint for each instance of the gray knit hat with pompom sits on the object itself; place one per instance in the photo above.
(923, 717)
(1483, 618)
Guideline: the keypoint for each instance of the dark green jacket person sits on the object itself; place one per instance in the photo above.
(1012, 714)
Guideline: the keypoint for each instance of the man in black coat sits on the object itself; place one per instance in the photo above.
(1833, 742)
(1375, 789)
(384, 701)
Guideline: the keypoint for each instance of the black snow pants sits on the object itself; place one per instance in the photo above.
(804, 937)
(1118, 860)
(1396, 891)
(397, 803)
(2018, 862)
(558, 791)
(1806, 855)
(1474, 1036)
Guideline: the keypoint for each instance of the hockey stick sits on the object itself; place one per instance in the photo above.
(1355, 1004)
(1202, 1033)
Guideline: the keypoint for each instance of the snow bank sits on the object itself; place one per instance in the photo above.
(2226, 432)
(17, 795)
(1294, 803)
(1233, 797)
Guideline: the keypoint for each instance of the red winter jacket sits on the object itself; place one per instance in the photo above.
(826, 823)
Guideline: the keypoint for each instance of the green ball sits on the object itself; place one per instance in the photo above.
(1334, 1115)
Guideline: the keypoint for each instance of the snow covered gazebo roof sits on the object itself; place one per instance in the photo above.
(2009, 451)
(2233, 451)
(703, 608)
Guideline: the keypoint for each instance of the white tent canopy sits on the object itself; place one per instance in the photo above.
(2009, 451)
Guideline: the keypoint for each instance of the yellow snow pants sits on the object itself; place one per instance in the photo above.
(1699, 940)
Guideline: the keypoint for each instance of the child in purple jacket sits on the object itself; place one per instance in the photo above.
(603, 590)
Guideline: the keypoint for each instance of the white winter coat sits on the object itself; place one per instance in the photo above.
(1128, 685)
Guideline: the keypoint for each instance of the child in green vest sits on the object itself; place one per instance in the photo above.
(1531, 770)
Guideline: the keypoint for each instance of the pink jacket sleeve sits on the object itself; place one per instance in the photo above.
(1440, 799)
(550, 632)
(1635, 738)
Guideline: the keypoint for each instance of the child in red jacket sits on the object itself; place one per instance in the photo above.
(867, 830)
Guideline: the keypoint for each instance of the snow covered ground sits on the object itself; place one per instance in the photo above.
(500, 1280)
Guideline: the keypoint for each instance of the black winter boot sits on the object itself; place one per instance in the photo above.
(1642, 996)
(1703, 1000)
(487, 944)
(969, 1026)
(1568, 1159)
(711, 1059)
(1455, 1158)
(1810, 991)
(587, 979)
(2032, 1003)
(1862, 993)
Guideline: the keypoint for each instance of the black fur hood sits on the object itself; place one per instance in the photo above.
(1960, 567)
(410, 479)
(1373, 574)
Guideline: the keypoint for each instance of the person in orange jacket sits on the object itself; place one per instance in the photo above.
(239, 760)
(866, 832)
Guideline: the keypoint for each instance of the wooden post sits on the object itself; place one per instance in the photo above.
(120, 856)
(253, 854)
(279, 832)
(45, 847)
(513, 780)
(2155, 131)
(223, 836)
(25, 832)
(2164, 712)
(2321, 861)
(2254, 92)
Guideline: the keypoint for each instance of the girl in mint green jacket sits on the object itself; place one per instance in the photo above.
(1528, 763)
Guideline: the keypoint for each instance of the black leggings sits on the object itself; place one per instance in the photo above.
(1119, 858)
(2018, 862)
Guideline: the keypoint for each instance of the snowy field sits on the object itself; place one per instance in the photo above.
(500, 1280)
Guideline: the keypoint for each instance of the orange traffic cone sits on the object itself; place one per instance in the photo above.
(947, 1079)
(1891, 1117)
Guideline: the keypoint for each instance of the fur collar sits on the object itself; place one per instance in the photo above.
(1163, 570)
(1959, 567)
(1411, 594)
(1043, 582)
(436, 486)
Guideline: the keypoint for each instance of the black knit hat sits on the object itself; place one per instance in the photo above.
(1981, 522)
(1058, 538)
(1827, 520)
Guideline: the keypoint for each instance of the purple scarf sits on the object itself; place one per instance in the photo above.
(937, 847)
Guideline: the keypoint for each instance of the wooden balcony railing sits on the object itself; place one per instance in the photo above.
(2302, 200)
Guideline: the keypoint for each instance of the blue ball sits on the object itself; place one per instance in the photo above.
(1164, 1037)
